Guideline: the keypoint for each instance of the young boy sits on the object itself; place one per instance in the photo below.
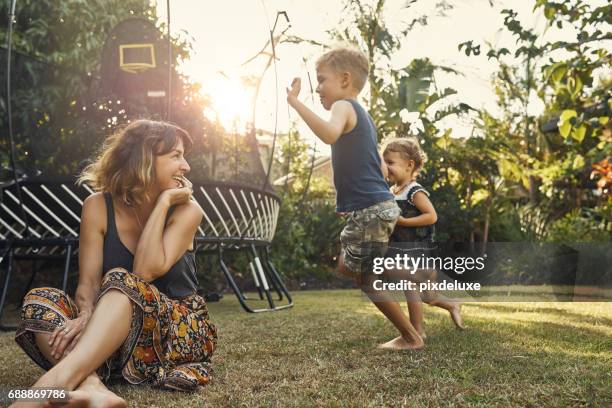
(361, 191)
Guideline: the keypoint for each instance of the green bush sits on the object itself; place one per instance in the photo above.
(583, 225)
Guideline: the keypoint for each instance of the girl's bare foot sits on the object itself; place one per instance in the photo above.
(453, 307)
(455, 313)
(400, 343)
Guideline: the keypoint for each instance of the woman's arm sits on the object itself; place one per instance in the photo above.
(162, 244)
(428, 214)
(91, 252)
(91, 244)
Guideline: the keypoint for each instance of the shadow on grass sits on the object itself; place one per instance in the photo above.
(551, 310)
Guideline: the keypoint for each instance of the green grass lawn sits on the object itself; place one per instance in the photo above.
(322, 353)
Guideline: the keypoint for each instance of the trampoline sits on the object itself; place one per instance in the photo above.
(40, 204)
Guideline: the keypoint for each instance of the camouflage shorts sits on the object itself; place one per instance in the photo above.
(366, 236)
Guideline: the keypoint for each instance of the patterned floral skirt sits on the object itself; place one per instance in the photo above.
(169, 345)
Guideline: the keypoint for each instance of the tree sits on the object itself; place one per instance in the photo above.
(411, 88)
(58, 113)
(308, 228)
(553, 163)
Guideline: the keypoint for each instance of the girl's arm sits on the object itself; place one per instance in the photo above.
(162, 244)
(428, 212)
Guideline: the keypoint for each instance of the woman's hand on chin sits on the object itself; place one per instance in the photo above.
(177, 196)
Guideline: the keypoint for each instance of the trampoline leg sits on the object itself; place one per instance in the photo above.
(254, 274)
(272, 278)
(66, 267)
(232, 283)
(7, 280)
(263, 273)
(277, 276)
(256, 280)
(262, 276)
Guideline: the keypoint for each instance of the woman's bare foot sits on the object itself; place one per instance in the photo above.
(27, 405)
(81, 398)
(400, 343)
(92, 393)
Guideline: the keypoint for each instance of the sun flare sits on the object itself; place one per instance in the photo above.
(231, 102)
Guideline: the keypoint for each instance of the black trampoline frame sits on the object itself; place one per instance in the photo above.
(237, 218)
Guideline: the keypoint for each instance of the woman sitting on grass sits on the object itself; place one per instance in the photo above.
(136, 314)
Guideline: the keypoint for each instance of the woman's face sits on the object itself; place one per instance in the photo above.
(171, 167)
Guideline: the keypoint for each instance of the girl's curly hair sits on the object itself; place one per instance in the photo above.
(409, 148)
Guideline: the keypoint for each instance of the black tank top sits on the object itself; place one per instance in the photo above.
(179, 281)
(358, 179)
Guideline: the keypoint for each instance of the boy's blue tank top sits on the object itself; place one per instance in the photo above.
(358, 178)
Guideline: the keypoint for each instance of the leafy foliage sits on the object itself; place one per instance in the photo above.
(307, 232)
(510, 180)
(59, 111)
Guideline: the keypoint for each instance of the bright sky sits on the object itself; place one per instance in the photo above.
(227, 33)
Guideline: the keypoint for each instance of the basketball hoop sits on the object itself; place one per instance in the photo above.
(136, 58)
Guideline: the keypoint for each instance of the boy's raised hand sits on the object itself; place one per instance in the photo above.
(294, 91)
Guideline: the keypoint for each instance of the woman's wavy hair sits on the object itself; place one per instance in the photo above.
(124, 164)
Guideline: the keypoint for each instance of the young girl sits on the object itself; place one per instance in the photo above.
(415, 226)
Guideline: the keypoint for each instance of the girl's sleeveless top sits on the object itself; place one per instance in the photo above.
(406, 205)
(178, 282)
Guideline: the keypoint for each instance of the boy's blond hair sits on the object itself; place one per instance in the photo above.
(347, 59)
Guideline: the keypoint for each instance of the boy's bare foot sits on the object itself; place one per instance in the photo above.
(400, 343)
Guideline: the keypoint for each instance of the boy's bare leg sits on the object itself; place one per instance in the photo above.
(105, 332)
(409, 338)
(342, 269)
